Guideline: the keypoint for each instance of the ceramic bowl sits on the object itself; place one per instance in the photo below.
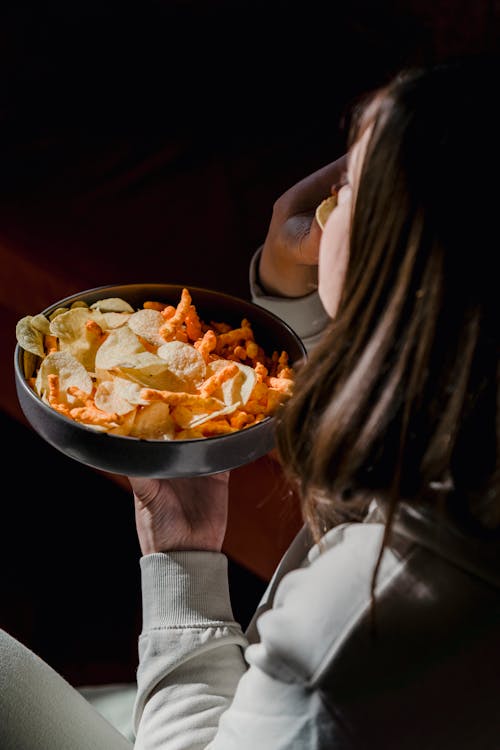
(131, 456)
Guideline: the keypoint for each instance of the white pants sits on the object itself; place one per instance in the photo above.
(39, 710)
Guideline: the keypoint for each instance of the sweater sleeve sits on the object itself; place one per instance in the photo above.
(195, 689)
(306, 315)
(190, 651)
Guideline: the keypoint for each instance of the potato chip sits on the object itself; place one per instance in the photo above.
(29, 363)
(146, 323)
(119, 346)
(112, 304)
(238, 388)
(184, 361)
(153, 422)
(74, 336)
(244, 384)
(152, 371)
(126, 424)
(29, 338)
(41, 323)
(115, 319)
(70, 373)
(118, 396)
(57, 312)
(217, 378)
(68, 325)
(200, 419)
(324, 209)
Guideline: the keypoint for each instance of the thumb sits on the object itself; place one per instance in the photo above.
(309, 243)
(145, 490)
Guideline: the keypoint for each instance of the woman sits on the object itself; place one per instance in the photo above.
(386, 634)
(381, 626)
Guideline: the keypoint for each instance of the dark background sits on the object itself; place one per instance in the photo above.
(148, 143)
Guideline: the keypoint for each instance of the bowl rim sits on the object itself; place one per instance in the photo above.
(52, 413)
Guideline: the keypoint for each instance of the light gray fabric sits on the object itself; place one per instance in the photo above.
(41, 711)
(190, 650)
(315, 676)
(305, 315)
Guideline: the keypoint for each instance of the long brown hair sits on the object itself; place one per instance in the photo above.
(399, 400)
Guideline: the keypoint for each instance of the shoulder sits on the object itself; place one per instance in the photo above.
(436, 640)
(318, 603)
(321, 612)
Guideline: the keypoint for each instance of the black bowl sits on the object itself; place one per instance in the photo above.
(132, 456)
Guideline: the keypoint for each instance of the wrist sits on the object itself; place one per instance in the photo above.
(184, 589)
(279, 277)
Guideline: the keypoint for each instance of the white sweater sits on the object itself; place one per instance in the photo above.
(308, 674)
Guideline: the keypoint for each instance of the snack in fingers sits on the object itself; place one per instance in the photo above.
(325, 208)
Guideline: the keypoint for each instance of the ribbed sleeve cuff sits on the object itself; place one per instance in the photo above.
(185, 589)
(306, 315)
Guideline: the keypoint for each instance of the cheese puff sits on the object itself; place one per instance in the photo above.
(235, 336)
(181, 335)
(252, 349)
(168, 311)
(168, 329)
(283, 359)
(191, 433)
(50, 343)
(261, 372)
(240, 352)
(221, 327)
(193, 324)
(54, 395)
(93, 415)
(214, 381)
(255, 408)
(207, 344)
(94, 330)
(216, 427)
(274, 399)
(285, 385)
(147, 345)
(174, 398)
(259, 392)
(241, 419)
(81, 396)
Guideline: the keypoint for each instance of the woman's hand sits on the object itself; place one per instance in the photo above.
(289, 259)
(181, 514)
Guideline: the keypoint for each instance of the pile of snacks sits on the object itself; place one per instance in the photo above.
(157, 373)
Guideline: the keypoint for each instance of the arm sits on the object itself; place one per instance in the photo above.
(195, 688)
(289, 258)
(190, 648)
(283, 272)
(190, 651)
